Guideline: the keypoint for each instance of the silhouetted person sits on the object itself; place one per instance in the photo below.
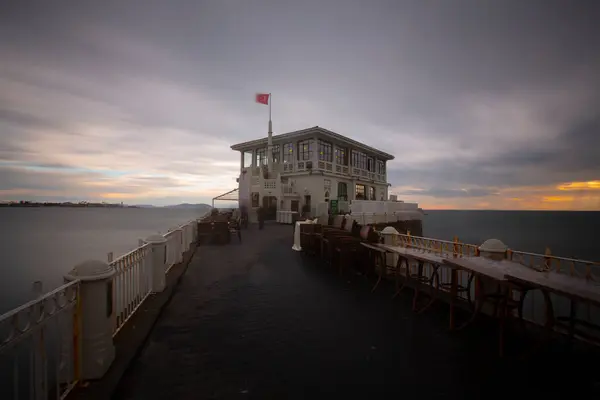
(261, 217)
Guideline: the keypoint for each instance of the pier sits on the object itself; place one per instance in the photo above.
(254, 318)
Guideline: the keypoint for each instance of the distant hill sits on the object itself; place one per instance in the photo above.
(190, 206)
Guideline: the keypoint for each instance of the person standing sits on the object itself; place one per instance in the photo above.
(261, 217)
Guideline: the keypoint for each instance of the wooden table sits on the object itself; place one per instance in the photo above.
(422, 257)
(577, 290)
(496, 271)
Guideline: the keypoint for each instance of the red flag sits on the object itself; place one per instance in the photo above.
(262, 98)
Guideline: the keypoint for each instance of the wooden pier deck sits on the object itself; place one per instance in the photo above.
(259, 320)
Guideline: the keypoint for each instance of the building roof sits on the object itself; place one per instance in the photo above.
(312, 130)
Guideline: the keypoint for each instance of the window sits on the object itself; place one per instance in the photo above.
(341, 156)
(325, 151)
(372, 193)
(261, 156)
(381, 167)
(276, 154)
(255, 198)
(247, 159)
(359, 160)
(304, 150)
(288, 153)
(360, 192)
(371, 164)
(342, 191)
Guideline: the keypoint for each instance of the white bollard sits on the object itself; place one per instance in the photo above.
(158, 262)
(390, 238)
(180, 246)
(493, 249)
(96, 318)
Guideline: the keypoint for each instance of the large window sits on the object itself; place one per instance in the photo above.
(372, 193)
(305, 150)
(359, 160)
(342, 191)
(247, 159)
(261, 156)
(371, 164)
(341, 156)
(288, 153)
(325, 151)
(360, 192)
(276, 153)
(381, 167)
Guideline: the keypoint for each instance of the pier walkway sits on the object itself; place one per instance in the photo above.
(258, 320)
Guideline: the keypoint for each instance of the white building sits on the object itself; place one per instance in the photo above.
(310, 166)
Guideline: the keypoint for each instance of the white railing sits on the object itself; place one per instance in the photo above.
(40, 346)
(132, 283)
(40, 343)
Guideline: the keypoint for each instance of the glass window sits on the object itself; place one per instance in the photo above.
(359, 160)
(276, 153)
(247, 159)
(371, 164)
(304, 150)
(341, 156)
(325, 151)
(381, 167)
(261, 157)
(372, 193)
(360, 192)
(288, 153)
(342, 191)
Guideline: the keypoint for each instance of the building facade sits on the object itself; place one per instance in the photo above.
(310, 166)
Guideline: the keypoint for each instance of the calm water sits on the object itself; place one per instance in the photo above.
(44, 244)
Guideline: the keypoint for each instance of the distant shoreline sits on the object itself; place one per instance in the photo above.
(38, 205)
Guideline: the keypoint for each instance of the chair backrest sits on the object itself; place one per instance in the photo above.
(337, 221)
(364, 232)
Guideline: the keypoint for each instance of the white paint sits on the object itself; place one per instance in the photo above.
(97, 349)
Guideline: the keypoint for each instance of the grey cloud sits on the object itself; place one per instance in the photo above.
(405, 76)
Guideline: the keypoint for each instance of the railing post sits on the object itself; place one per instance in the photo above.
(180, 245)
(158, 262)
(390, 238)
(96, 306)
(493, 249)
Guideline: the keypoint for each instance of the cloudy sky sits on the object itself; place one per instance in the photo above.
(485, 104)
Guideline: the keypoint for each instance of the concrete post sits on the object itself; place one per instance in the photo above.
(96, 317)
(180, 247)
(390, 238)
(493, 249)
(158, 262)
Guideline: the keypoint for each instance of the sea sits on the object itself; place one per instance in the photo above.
(43, 244)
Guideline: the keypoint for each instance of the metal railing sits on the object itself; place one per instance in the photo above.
(40, 341)
(40, 346)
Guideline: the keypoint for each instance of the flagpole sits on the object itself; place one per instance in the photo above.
(270, 141)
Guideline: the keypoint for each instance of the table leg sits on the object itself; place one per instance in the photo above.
(432, 288)
(398, 274)
(453, 294)
(373, 261)
(418, 285)
(479, 300)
